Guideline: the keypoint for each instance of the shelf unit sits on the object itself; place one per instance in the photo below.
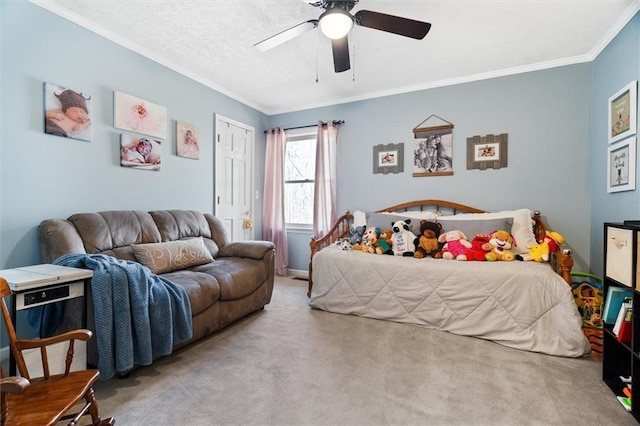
(621, 259)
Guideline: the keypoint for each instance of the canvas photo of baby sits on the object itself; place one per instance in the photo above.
(67, 112)
(187, 140)
(140, 152)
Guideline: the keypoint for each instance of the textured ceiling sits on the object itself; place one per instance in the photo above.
(212, 42)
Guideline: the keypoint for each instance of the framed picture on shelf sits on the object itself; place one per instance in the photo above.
(138, 115)
(623, 112)
(621, 166)
(487, 152)
(388, 158)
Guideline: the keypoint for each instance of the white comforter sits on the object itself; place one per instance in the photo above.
(524, 305)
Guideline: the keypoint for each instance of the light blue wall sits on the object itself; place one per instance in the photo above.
(546, 115)
(555, 119)
(614, 68)
(45, 176)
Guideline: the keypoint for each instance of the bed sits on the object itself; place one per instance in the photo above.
(523, 305)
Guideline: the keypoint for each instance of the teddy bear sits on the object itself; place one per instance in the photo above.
(385, 242)
(456, 245)
(480, 247)
(428, 240)
(403, 241)
(501, 243)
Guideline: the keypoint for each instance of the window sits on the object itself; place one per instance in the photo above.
(299, 178)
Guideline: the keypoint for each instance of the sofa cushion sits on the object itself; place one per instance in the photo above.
(238, 277)
(172, 255)
(202, 289)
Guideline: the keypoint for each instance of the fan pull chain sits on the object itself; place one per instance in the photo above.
(317, 55)
(353, 68)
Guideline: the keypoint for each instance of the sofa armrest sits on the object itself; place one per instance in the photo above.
(253, 249)
(58, 237)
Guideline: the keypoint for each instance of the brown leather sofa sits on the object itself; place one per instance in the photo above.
(238, 282)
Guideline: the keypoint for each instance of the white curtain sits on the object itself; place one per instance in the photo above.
(325, 194)
(273, 223)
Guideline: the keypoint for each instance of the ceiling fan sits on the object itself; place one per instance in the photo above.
(336, 23)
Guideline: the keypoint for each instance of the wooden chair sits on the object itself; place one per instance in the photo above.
(49, 399)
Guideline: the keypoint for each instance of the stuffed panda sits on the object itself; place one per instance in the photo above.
(403, 241)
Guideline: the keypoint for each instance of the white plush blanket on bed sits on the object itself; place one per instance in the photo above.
(524, 305)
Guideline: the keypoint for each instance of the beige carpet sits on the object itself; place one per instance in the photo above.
(291, 365)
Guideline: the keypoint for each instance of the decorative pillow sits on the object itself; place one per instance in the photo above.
(172, 255)
(473, 227)
(521, 229)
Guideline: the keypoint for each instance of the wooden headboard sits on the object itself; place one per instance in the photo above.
(561, 261)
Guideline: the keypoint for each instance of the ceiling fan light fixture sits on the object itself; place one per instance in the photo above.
(336, 23)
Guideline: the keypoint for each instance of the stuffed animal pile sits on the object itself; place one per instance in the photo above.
(369, 240)
(375, 241)
(454, 244)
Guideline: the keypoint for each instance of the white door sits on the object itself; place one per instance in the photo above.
(234, 177)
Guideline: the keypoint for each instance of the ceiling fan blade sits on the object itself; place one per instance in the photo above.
(392, 24)
(341, 54)
(286, 35)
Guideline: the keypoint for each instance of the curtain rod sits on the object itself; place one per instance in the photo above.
(309, 125)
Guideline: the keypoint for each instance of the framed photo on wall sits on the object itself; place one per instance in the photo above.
(621, 166)
(487, 152)
(623, 112)
(138, 115)
(388, 158)
(139, 152)
(187, 140)
(433, 154)
(67, 112)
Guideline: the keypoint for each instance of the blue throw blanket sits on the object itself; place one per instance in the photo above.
(138, 315)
